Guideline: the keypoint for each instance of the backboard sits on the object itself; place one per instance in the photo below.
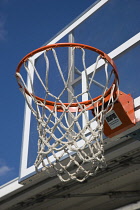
(111, 26)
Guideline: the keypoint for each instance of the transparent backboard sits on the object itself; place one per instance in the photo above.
(109, 25)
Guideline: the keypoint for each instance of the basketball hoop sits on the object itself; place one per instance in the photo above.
(73, 150)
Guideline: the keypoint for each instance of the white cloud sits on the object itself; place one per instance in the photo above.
(3, 31)
(4, 170)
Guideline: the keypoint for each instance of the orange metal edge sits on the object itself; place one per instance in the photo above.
(50, 104)
(124, 108)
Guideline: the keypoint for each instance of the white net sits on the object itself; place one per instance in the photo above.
(72, 149)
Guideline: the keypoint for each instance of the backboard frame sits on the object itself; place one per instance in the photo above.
(27, 172)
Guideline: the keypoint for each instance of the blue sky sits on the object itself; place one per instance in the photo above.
(24, 26)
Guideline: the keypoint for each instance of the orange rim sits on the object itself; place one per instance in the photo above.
(51, 104)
